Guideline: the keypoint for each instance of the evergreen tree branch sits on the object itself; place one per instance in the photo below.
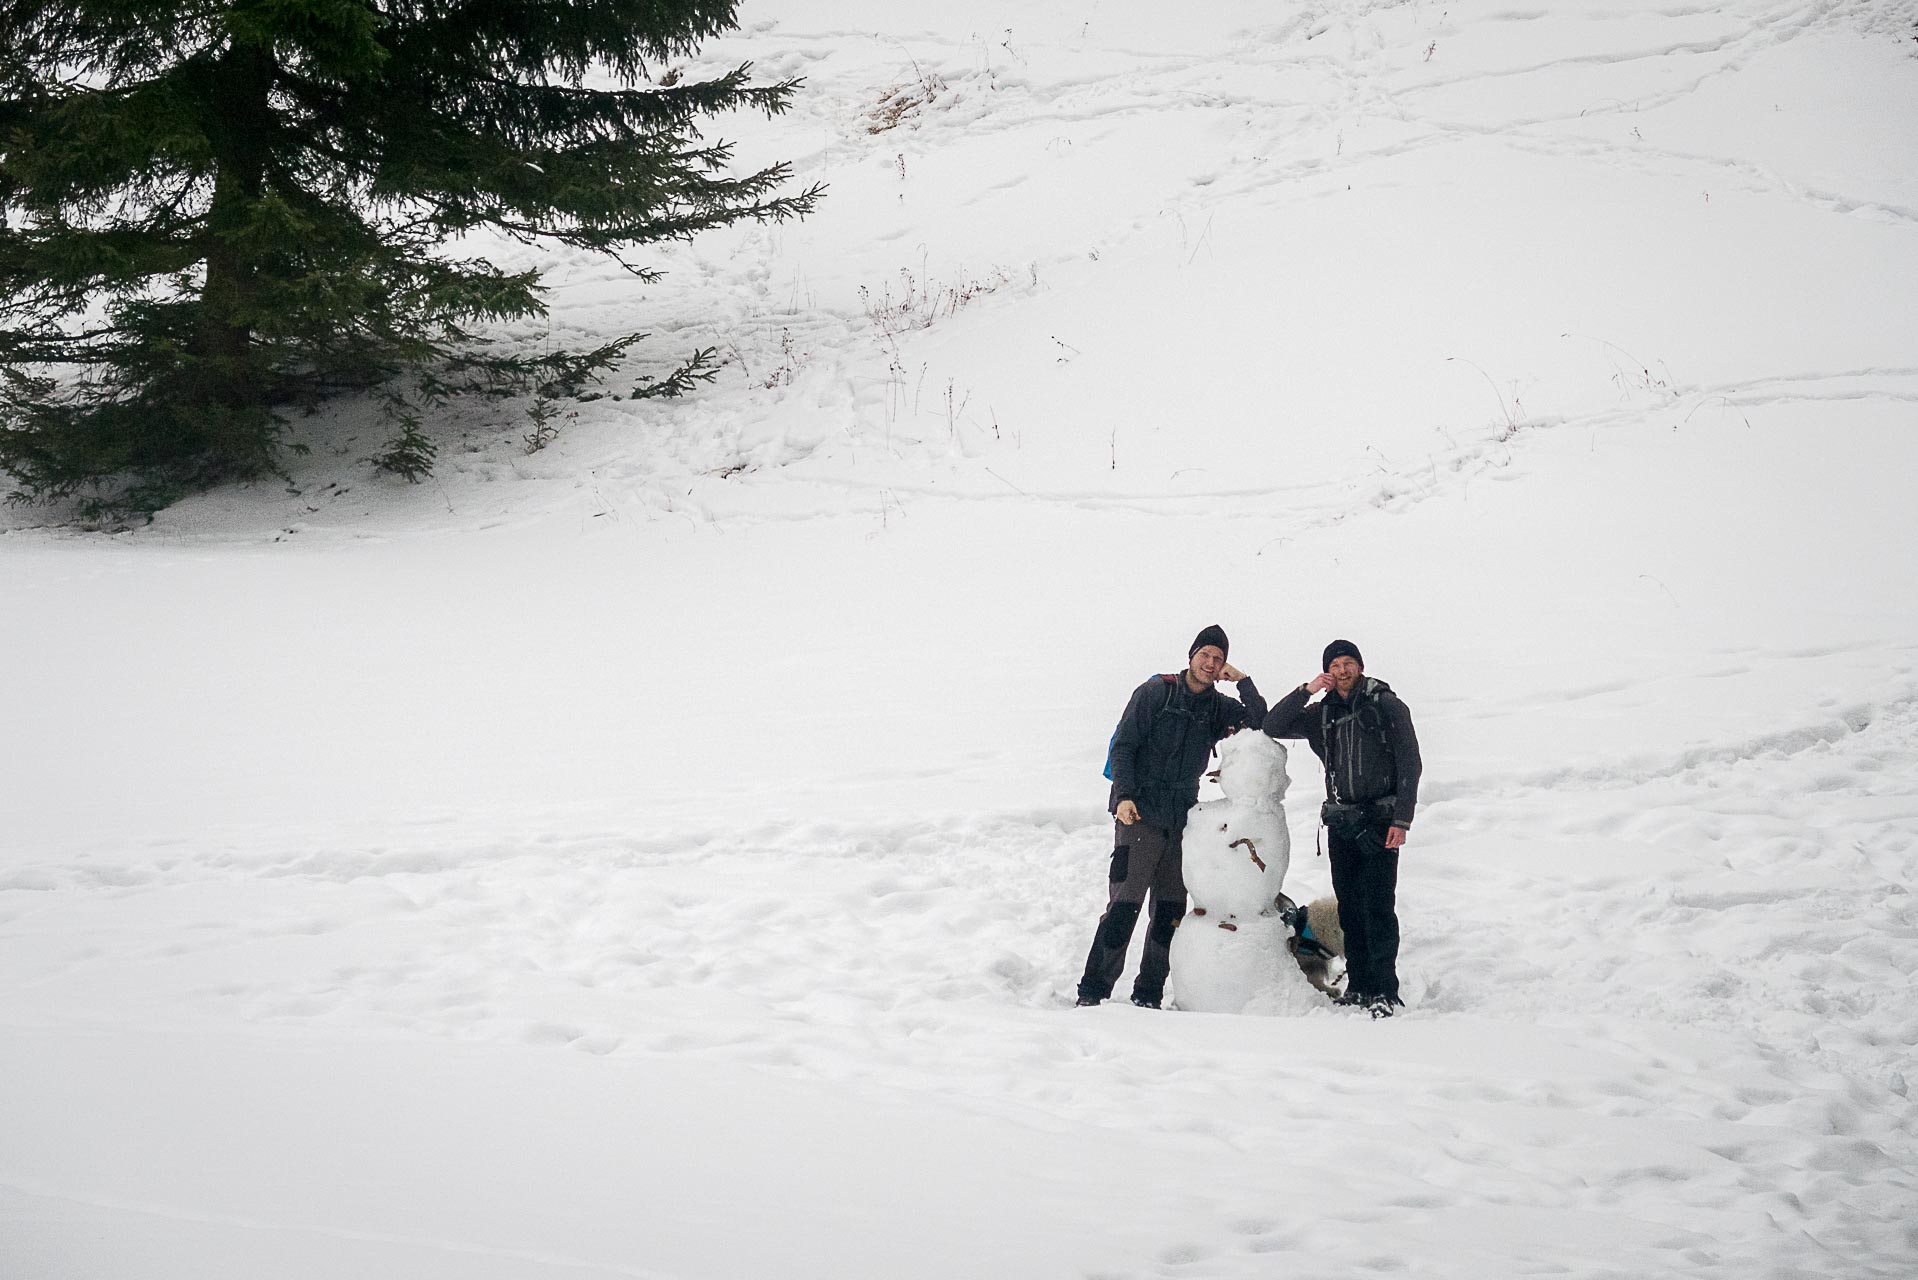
(214, 207)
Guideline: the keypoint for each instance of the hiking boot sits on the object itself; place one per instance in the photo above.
(1383, 1006)
(1146, 1002)
(1086, 1002)
(1349, 998)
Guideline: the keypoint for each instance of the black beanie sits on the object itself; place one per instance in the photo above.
(1342, 649)
(1214, 634)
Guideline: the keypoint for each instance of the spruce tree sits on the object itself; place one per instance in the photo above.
(215, 209)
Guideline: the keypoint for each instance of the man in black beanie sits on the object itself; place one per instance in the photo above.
(1159, 750)
(1363, 735)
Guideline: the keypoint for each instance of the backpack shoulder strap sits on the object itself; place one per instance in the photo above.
(1383, 709)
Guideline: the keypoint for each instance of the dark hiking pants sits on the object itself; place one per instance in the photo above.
(1365, 877)
(1144, 858)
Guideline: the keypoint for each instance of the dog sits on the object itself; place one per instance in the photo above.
(1316, 942)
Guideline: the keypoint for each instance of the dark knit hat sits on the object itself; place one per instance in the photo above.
(1214, 634)
(1342, 649)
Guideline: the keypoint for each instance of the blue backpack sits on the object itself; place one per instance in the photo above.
(1171, 691)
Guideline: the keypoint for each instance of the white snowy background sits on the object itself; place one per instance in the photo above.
(669, 854)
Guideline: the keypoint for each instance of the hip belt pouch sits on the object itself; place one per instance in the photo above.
(1343, 819)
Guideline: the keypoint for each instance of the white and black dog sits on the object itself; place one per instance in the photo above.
(1316, 942)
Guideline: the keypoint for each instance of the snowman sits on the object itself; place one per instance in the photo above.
(1229, 954)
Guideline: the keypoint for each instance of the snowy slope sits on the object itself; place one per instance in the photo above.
(669, 854)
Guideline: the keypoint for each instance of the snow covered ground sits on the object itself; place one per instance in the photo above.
(669, 854)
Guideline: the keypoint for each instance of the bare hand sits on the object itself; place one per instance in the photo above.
(1318, 684)
(1230, 672)
(1127, 813)
(1395, 836)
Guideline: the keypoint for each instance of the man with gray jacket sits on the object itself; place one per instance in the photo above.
(1159, 751)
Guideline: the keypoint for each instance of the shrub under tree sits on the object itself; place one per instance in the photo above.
(218, 209)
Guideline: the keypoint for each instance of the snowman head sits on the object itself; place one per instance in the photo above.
(1252, 768)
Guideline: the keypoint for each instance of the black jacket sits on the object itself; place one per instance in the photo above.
(1366, 743)
(1165, 738)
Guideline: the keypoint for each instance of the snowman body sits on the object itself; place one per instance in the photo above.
(1229, 953)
